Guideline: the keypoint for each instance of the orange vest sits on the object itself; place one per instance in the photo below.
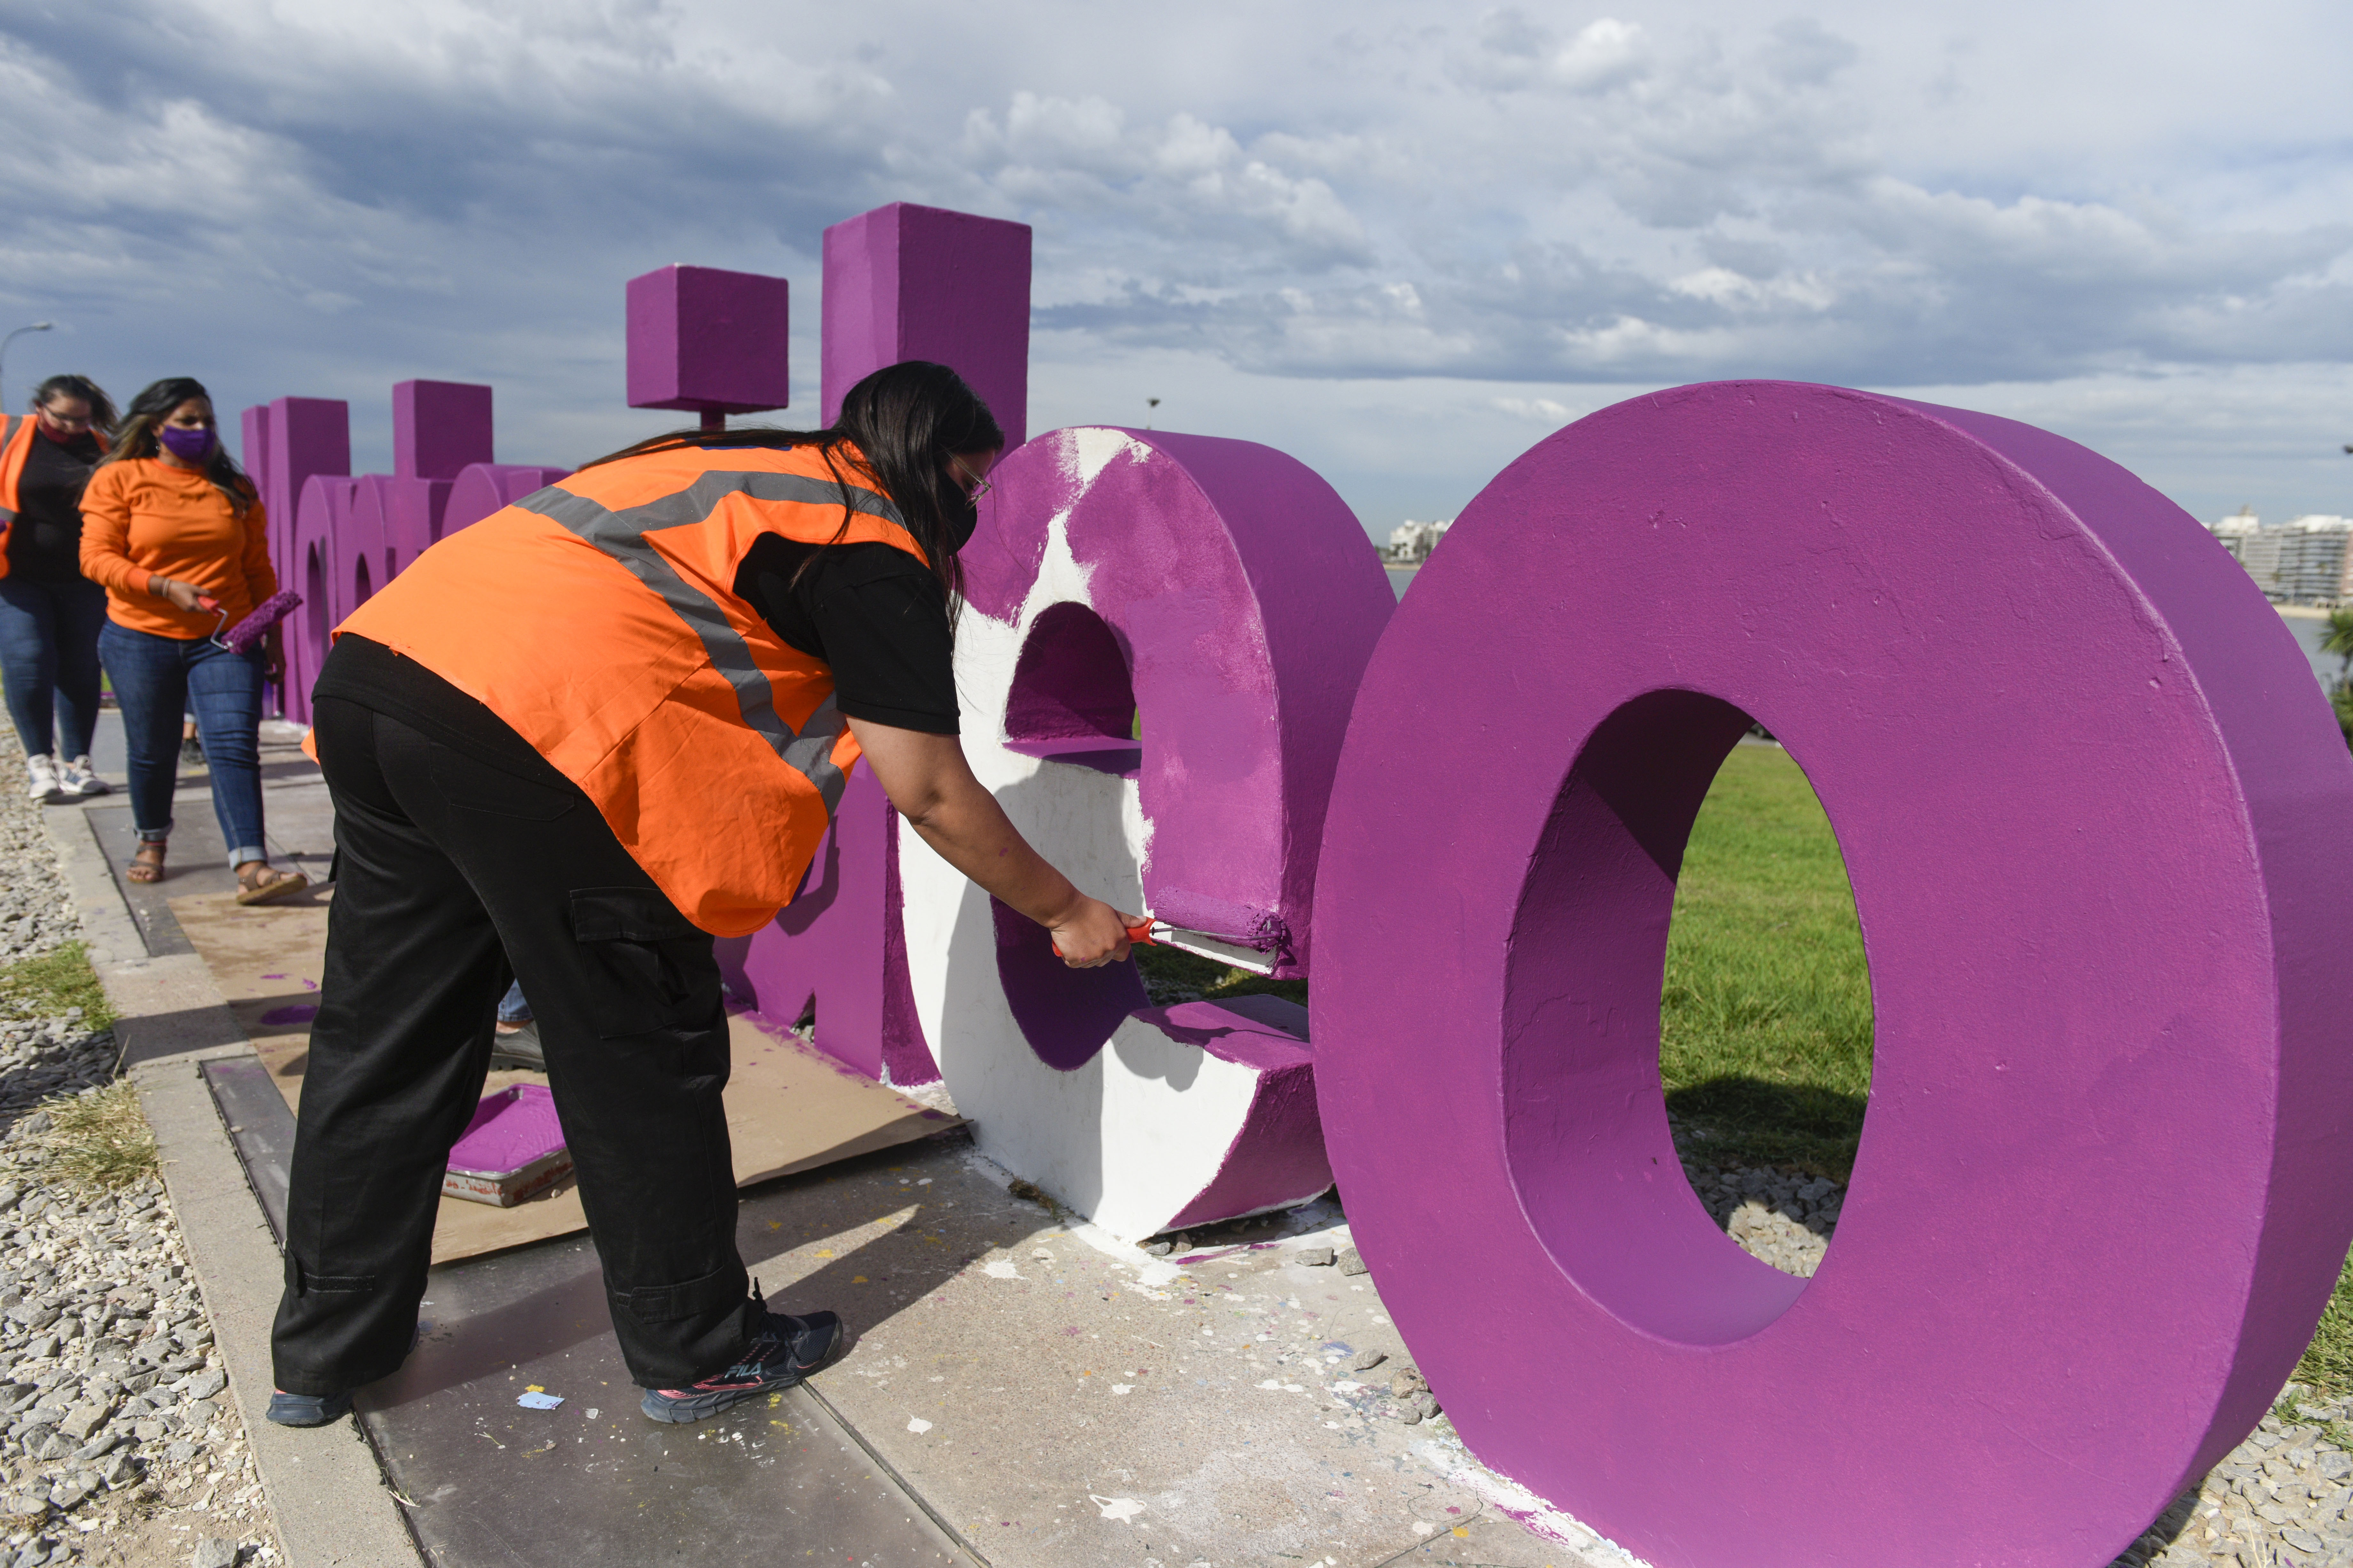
(598, 618)
(16, 447)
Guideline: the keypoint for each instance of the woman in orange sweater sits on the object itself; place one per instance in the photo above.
(174, 530)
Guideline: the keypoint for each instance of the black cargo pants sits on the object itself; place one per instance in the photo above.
(449, 869)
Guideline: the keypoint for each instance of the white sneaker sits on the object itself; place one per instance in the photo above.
(77, 780)
(43, 771)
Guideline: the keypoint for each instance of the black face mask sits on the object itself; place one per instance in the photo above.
(960, 520)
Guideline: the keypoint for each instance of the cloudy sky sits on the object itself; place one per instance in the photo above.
(1401, 241)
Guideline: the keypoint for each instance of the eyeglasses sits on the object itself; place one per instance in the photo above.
(67, 422)
(980, 487)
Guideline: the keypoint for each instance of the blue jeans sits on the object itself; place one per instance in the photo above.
(48, 662)
(513, 1008)
(156, 680)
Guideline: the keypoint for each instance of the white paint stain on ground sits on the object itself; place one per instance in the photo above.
(1001, 1268)
(1119, 1509)
(1515, 1501)
(918, 1425)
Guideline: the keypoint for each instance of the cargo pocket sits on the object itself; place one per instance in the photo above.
(300, 1281)
(714, 1292)
(659, 970)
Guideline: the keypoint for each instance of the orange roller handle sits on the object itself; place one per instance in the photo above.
(1140, 933)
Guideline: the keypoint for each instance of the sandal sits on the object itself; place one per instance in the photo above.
(142, 869)
(259, 882)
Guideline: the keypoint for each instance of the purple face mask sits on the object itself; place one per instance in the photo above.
(188, 446)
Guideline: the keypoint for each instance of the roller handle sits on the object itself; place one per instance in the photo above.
(1140, 933)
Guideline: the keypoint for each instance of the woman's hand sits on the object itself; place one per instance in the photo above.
(273, 656)
(184, 595)
(1091, 934)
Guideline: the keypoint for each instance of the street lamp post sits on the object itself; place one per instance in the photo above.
(12, 337)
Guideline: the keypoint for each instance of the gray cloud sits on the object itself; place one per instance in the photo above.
(327, 201)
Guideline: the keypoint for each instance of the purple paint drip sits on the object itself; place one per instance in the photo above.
(300, 1013)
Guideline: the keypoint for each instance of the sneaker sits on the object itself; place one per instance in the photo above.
(520, 1050)
(79, 781)
(308, 1409)
(43, 773)
(786, 1350)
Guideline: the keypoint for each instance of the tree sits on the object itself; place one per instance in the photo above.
(2339, 640)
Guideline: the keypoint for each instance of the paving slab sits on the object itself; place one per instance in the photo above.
(1061, 1399)
(298, 817)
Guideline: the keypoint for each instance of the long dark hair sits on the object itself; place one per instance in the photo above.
(905, 420)
(102, 407)
(153, 405)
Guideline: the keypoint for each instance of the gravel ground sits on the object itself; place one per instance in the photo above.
(2282, 1497)
(119, 1443)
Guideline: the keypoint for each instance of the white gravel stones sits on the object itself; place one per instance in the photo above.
(1777, 1218)
(115, 1429)
(2280, 1499)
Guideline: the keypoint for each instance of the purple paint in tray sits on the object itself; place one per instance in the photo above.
(512, 1149)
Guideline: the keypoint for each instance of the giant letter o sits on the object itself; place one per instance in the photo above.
(2100, 828)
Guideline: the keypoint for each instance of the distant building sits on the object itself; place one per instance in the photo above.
(1411, 542)
(2234, 530)
(2304, 560)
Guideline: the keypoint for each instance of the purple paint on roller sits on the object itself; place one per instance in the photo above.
(266, 614)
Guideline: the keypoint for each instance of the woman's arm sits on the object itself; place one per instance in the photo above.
(931, 783)
(106, 535)
(260, 576)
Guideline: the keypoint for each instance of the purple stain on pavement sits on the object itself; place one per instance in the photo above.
(300, 1013)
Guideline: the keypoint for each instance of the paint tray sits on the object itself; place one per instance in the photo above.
(513, 1149)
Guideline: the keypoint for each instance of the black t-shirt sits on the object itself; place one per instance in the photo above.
(44, 541)
(871, 611)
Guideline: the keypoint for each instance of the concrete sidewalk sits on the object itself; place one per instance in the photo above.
(1021, 1390)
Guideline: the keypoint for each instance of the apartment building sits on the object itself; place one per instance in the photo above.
(2304, 560)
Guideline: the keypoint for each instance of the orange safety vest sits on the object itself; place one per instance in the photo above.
(598, 618)
(16, 448)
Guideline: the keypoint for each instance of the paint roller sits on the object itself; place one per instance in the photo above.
(241, 637)
(1150, 932)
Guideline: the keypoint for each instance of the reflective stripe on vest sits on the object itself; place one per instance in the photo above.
(622, 535)
(598, 619)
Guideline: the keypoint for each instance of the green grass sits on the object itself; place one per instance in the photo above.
(2327, 1365)
(1765, 1023)
(47, 984)
(1169, 973)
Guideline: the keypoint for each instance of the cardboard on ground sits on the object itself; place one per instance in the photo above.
(788, 1107)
